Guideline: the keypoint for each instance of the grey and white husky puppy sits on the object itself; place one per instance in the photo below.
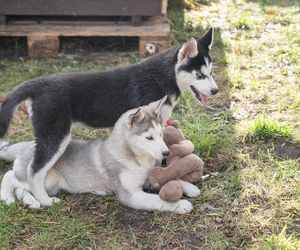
(98, 99)
(118, 164)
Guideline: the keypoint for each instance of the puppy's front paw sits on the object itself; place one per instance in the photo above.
(55, 200)
(50, 201)
(35, 205)
(183, 207)
(8, 200)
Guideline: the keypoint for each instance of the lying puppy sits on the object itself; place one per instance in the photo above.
(118, 164)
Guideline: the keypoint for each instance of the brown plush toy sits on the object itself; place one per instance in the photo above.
(180, 164)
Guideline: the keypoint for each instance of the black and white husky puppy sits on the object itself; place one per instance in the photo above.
(118, 164)
(98, 99)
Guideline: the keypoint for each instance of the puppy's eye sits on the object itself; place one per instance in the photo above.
(150, 138)
(200, 76)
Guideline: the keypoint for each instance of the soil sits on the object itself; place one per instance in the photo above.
(287, 149)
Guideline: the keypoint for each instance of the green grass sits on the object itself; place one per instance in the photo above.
(47, 227)
(244, 22)
(280, 3)
(279, 242)
(264, 129)
(14, 72)
(250, 134)
(209, 133)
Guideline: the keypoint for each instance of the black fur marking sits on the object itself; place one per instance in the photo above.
(195, 63)
(207, 39)
(50, 129)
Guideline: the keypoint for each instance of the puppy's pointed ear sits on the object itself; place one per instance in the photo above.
(136, 117)
(188, 50)
(157, 106)
(207, 40)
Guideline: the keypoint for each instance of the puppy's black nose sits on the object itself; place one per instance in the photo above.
(165, 153)
(214, 91)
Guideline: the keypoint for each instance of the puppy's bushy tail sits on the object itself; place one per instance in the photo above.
(8, 107)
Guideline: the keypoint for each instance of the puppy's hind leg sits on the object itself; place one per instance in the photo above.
(52, 138)
(44, 159)
(27, 198)
(189, 189)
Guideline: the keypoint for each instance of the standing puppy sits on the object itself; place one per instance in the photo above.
(98, 99)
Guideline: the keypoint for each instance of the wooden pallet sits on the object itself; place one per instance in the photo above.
(43, 38)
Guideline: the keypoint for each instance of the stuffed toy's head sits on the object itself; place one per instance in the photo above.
(174, 139)
(173, 134)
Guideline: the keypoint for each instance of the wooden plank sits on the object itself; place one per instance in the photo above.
(164, 7)
(81, 7)
(15, 20)
(2, 20)
(136, 20)
(155, 27)
(151, 45)
(67, 23)
(42, 46)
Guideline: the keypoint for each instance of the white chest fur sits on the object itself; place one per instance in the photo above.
(167, 109)
(133, 180)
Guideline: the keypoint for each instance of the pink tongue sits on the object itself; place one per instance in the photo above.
(204, 99)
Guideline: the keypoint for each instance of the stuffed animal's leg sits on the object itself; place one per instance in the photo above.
(189, 189)
(195, 166)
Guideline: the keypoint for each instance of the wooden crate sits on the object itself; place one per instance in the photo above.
(43, 39)
(81, 8)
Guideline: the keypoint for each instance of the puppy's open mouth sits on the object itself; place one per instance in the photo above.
(201, 97)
